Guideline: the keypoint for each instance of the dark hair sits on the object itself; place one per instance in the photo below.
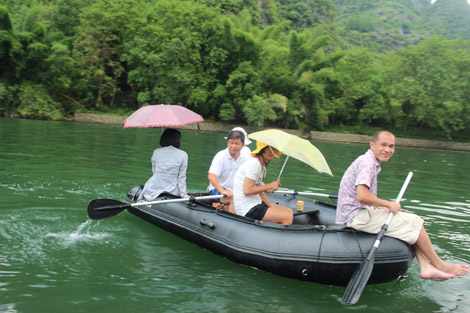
(376, 135)
(235, 134)
(170, 137)
(260, 152)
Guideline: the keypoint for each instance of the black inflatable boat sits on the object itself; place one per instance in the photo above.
(313, 248)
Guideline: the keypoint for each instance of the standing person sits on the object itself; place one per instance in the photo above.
(169, 165)
(358, 207)
(249, 196)
(224, 166)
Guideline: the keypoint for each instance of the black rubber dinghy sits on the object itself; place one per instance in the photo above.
(313, 248)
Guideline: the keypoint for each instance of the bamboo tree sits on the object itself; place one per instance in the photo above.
(104, 29)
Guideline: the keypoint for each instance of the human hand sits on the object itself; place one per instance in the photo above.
(274, 185)
(394, 207)
(227, 192)
(268, 189)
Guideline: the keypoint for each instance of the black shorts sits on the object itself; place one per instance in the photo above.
(258, 211)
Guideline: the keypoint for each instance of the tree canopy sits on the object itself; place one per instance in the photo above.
(309, 65)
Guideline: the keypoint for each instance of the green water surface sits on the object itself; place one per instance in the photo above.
(53, 259)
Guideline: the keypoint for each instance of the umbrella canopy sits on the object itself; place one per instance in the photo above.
(162, 115)
(294, 146)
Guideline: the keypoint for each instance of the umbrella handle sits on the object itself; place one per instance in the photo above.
(282, 169)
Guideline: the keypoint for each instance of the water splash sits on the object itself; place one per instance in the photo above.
(84, 232)
(8, 308)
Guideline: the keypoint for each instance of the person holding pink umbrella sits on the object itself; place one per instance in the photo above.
(169, 165)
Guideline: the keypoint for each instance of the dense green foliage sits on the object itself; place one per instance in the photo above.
(313, 64)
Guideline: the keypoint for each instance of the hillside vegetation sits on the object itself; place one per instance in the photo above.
(311, 64)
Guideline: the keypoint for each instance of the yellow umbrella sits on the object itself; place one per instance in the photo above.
(294, 146)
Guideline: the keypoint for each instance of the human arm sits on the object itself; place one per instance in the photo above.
(367, 198)
(215, 182)
(269, 190)
(265, 199)
(217, 175)
(250, 188)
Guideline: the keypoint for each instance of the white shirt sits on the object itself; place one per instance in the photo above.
(224, 167)
(245, 151)
(253, 170)
(169, 165)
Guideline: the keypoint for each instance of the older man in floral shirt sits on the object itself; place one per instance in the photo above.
(360, 208)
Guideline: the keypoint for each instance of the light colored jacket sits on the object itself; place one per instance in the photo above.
(169, 165)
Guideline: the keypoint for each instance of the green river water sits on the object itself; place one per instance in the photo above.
(53, 259)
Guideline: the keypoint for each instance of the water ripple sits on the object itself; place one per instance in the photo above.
(444, 210)
(8, 308)
(50, 253)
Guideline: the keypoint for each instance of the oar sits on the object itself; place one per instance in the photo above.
(102, 208)
(333, 196)
(362, 274)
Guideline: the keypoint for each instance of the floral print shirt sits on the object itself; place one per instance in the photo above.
(363, 171)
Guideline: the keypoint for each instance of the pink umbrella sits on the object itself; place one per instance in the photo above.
(162, 115)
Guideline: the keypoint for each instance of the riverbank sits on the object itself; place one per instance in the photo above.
(313, 135)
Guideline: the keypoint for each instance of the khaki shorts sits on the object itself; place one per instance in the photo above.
(404, 226)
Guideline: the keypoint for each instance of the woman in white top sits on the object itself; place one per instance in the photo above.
(169, 165)
(249, 196)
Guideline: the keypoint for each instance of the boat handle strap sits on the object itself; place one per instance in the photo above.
(205, 222)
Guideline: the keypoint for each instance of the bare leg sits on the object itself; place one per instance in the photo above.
(424, 246)
(231, 208)
(226, 200)
(428, 271)
(279, 214)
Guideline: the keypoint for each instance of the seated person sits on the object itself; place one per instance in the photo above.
(360, 208)
(224, 166)
(169, 165)
(245, 150)
(249, 198)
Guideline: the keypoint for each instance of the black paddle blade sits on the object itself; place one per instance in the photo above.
(103, 208)
(358, 281)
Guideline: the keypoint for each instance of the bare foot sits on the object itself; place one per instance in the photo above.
(454, 269)
(430, 272)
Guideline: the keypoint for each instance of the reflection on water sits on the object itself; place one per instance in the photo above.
(52, 258)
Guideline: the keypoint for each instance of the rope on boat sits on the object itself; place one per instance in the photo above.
(319, 251)
(399, 278)
(358, 244)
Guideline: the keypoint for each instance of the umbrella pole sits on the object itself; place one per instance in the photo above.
(282, 169)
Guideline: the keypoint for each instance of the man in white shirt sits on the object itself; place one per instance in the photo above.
(225, 165)
(245, 150)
